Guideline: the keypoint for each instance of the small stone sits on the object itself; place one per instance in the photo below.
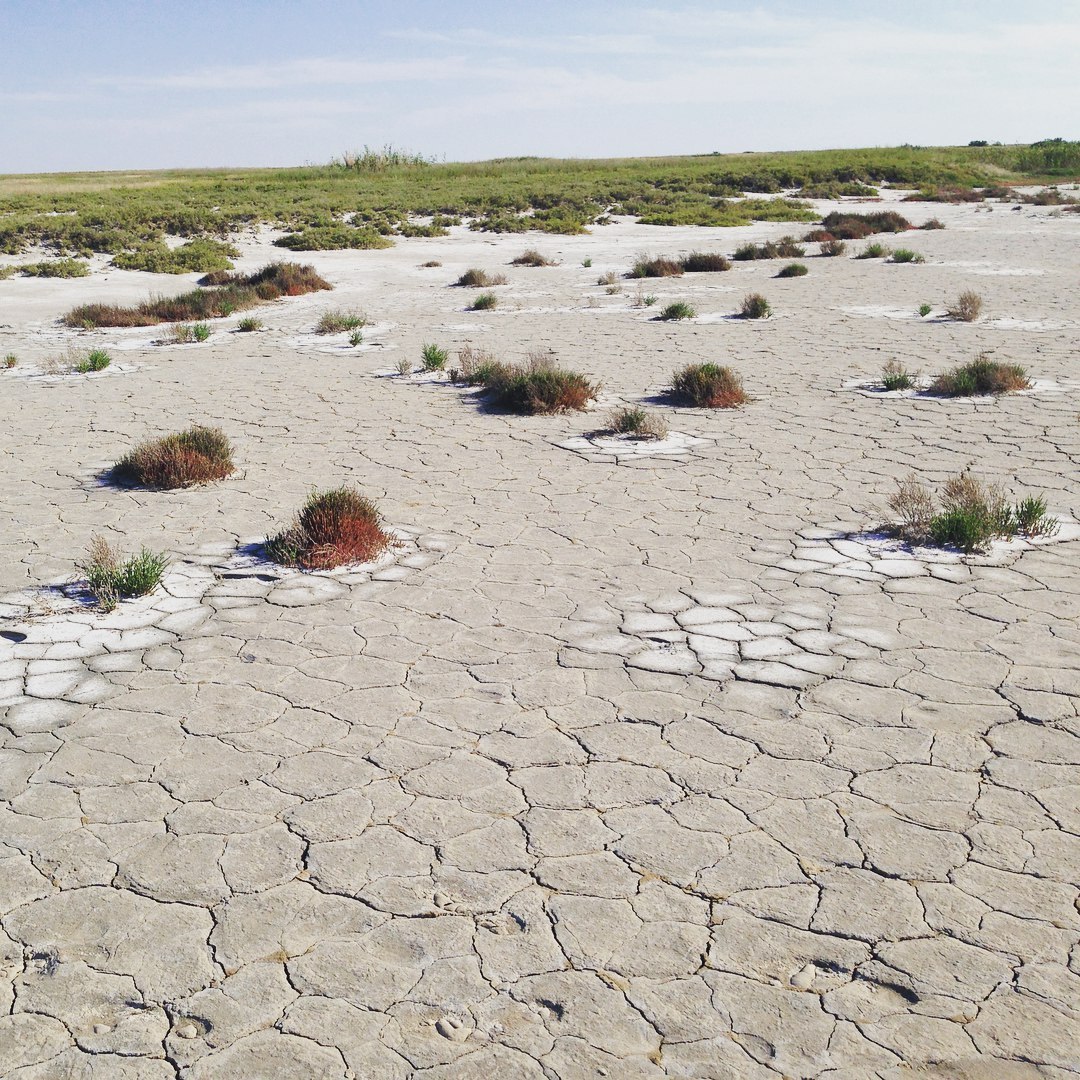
(187, 1031)
(102, 1029)
(804, 977)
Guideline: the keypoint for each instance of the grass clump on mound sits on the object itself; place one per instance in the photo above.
(702, 262)
(56, 268)
(195, 456)
(676, 312)
(334, 238)
(709, 386)
(333, 528)
(876, 250)
(111, 578)
(980, 378)
(532, 257)
(229, 293)
(645, 267)
(196, 256)
(635, 421)
(970, 516)
(479, 279)
(849, 226)
(906, 255)
(336, 321)
(754, 306)
(484, 302)
(249, 325)
(537, 387)
(894, 376)
(967, 307)
(793, 270)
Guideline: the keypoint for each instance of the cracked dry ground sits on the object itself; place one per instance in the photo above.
(432, 827)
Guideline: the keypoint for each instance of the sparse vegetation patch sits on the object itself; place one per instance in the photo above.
(701, 262)
(676, 312)
(658, 267)
(539, 386)
(755, 306)
(708, 386)
(635, 421)
(532, 257)
(111, 578)
(337, 321)
(197, 256)
(981, 377)
(793, 270)
(967, 307)
(895, 376)
(480, 279)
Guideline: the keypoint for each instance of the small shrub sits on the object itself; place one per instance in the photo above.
(894, 376)
(200, 331)
(793, 270)
(906, 255)
(195, 456)
(967, 307)
(111, 578)
(972, 514)
(700, 262)
(334, 238)
(708, 386)
(431, 263)
(532, 257)
(56, 268)
(356, 338)
(787, 247)
(433, 357)
(10, 360)
(186, 334)
(404, 367)
(755, 306)
(875, 250)
(832, 248)
(933, 223)
(197, 256)
(336, 321)
(924, 310)
(248, 325)
(632, 420)
(538, 386)
(484, 302)
(751, 252)
(607, 279)
(981, 377)
(586, 263)
(645, 267)
(333, 528)
(613, 290)
(676, 312)
(95, 360)
(480, 279)
(850, 226)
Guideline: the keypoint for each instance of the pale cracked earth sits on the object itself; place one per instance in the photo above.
(624, 766)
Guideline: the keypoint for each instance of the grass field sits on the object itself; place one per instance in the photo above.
(356, 202)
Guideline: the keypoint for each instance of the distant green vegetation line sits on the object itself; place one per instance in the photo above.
(363, 202)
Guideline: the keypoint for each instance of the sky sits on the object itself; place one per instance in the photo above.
(118, 84)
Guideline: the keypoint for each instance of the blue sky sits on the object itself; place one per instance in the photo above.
(94, 84)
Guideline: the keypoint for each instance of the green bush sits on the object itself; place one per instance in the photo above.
(334, 238)
(906, 255)
(982, 376)
(676, 312)
(793, 270)
(196, 256)
(755, 306)
(56, 268)
(95, 360)
(111, 578)
(484, 302)
(433, 358)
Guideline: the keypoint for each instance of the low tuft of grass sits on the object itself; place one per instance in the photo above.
(754, 306)
(201, 255)
(333, 528)
(894, 376)
(708, 386)
(658, 267)
(429, 264)
(967, 307)
(971, 514)
(610, 278)
(532, 257)
(249, 325)
(635, 421)
(875, 250)
(845, 225)
(229, 293)
(537, 387)
(195, 456)
(980, 378)
(337, 321)
(701, 262)
(95, 360)
(356, 338)
(484, 302)
(832, 248)
(111, 578)
(924, 310)
(906, 255)
(10, 360)
(433, 358)
(480, 279)
(932, 224)
(793, 270)
(676, 312)
(189, 333)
